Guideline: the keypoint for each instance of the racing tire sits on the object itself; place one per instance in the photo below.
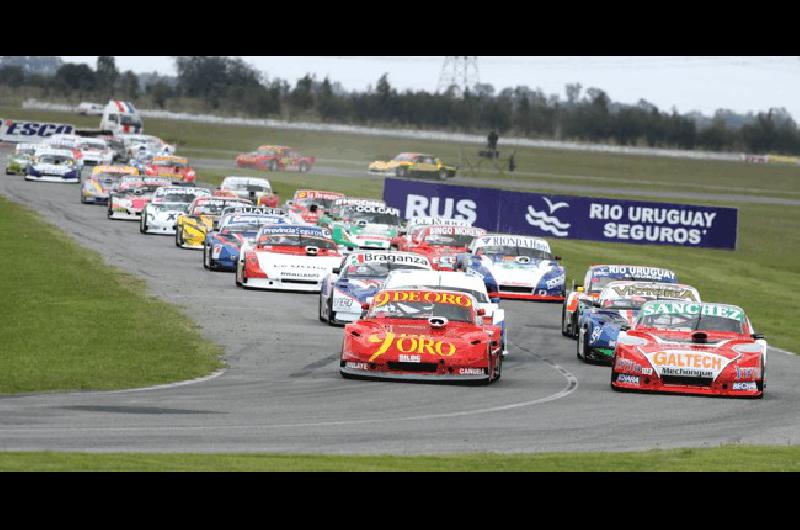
(573, 329)
(331, 315)
(401, 172)
(613, 375)
(763, 380)
(303, 167)
(498, 369)
(565, 329)
(273, 165)
(321, 318)
(236, 277)
(206, 258)
(582, 346)
(178, 237)
(143, 224)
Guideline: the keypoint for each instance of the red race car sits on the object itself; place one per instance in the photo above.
(421, 334)
(175, 168)
(690, 348)
(309, 205)
(276, 158)
(440, 244)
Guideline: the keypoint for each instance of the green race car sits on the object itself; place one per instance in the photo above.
(336, 211)
(17, 163)
(366, 228)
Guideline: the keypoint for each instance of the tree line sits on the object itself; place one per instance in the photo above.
(229, 85)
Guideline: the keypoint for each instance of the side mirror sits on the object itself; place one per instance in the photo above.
(624, 327)
(336, 270)
(481, 312)
(557, 258)
(580, 289)
(759, 336)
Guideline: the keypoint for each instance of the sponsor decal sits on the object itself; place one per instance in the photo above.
(411, 344)
(679, 308)
(555, 282)
(311, 194)
(342, 302)
(309, 231)
(653, 291)
(384, 297)
(596, 332)
(687, 363)
(749, 385)
(392, 257)
(357, 366)
(748, 373)
(376, 209)
(454, 231)
(403, 358)
(627, 378)
(628, 365)
(471, 371)
(513, 241)
(634, 272)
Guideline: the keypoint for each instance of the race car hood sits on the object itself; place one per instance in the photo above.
(513, 272)
(133, 201)
(165, 217)
(393, 340)
(54, 169)
(287, 266)
(385, 165)
(676, 354)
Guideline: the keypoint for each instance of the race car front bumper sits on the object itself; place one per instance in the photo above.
(651, 383)
(54, 178)
(364, 371)
(125, 214)
(278, 284)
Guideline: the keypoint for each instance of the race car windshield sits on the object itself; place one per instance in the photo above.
(92, 146)
(623, 303)
(373, 270)
(178, 197)
(287, 240)
(55, 159)
(127, 120)
(377, 218)
(170, 207)
(243, 186)
(441, 240)
(422, 311)
(404, 158)
(680, 322)
(480, 296)
(323, 203)
(168, 163)
(514, 251)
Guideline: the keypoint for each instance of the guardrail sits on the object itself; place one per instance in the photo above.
(415, 134)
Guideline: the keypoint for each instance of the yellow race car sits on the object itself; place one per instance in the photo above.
(203, 216)
(412, 165)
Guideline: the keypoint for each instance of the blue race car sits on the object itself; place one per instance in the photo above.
(360, 276)
(599, 323)
(237, 226)
(596, 279)
(515, 267)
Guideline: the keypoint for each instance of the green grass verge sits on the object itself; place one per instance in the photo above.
(726, 458)
(69, 322)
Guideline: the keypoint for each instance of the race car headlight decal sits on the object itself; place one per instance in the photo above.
(253, 269)
(216, 250)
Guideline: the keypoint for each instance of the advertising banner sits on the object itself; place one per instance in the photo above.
(568, 216)
(30, 131)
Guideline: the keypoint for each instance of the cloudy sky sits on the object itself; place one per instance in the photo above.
(740, 83)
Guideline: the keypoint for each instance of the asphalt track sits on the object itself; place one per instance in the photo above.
(282, 390)
(538, 186)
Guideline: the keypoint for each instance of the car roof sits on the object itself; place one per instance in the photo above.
(444, 279)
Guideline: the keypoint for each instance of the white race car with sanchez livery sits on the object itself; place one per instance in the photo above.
(360, 276)
(287, 257)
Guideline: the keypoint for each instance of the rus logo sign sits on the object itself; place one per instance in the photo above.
(421, 206)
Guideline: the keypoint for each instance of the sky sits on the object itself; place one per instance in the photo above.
(688, 83)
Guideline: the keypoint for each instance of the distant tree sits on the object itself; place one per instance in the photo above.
(129, 85)
(107, 75)
(13, 76)
(573, 91)
(160, 92)
(72, 77)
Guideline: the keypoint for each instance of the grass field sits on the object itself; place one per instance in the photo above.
(68, 321)
(726, 458)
